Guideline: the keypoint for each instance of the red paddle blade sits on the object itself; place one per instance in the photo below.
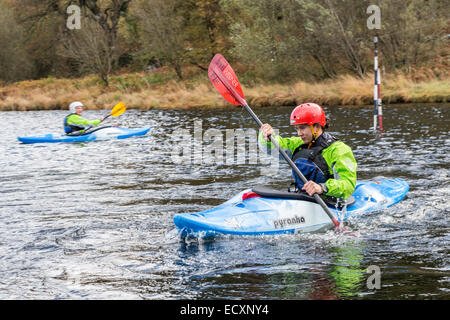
(225, 81)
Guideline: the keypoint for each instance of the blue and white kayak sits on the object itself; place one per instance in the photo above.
(105, 133)
(261, 210)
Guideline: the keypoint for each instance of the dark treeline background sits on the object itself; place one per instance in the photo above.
(269, 40)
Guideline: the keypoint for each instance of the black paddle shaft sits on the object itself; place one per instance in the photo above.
(293, 166)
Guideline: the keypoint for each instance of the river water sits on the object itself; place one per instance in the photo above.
(94, 220)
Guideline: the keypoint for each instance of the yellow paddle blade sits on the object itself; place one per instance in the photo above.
(118, 109)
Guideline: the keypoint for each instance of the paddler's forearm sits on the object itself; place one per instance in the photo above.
(285, 143)
(342, 164)
(91, 122)
(82, 121)
(344, 186)
(341, 188)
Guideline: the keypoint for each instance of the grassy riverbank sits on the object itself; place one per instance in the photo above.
(161, 90)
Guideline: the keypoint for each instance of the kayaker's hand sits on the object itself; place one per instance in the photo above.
(267, 130)
(311, 187)
(103, 118)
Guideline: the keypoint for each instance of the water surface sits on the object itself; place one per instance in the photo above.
(94, 220)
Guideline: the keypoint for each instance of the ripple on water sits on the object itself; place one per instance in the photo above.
(94, 220)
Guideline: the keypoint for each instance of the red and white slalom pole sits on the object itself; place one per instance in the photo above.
(377, 105)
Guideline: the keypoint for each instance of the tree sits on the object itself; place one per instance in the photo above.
(276, 40)
(14, 61)
(162, 32)
(206, 30)
(413, 33)
(89, 50)
(51, 43)
(93, 48)
(263, 38)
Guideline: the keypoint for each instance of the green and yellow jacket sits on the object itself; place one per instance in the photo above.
(73, 122)
(339, 158)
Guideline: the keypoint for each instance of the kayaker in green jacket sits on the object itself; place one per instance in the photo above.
(327, 163)
(74, 123)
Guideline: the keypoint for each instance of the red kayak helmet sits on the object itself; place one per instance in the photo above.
(308, 113)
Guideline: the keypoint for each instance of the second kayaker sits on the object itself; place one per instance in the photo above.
(327, 163)
(74, 123)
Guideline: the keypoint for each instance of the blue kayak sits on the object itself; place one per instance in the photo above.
(105, 133)
(262, 210)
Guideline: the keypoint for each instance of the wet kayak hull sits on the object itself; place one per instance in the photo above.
(270, 215)
(101, 134)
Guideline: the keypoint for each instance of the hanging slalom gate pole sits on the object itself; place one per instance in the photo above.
(377, 105)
